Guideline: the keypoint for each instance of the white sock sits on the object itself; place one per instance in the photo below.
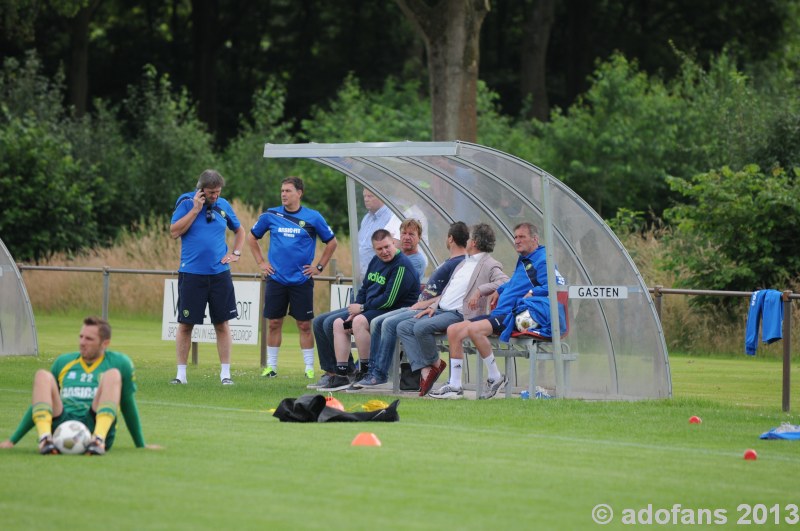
(308, 358)
(491, 364)
(272, 357)
(455, 372)
(224, 371)
(181, 373)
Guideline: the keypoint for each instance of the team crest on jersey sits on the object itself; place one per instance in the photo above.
(71, 375)
(302, 223)
(223, 214)
(186, 313)
(528, 266)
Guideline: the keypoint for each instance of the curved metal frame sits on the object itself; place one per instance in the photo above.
(414, 153)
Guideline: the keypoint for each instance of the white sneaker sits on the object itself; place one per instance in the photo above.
(492, 386)
(448, 391)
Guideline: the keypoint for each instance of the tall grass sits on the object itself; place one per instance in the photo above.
(148, 247)
(697, 330)
(688, 328)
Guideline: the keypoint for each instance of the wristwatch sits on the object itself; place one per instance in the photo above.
(237, 253)
(362, 308)
(320, 268)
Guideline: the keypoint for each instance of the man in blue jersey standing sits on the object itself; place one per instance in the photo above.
(289, 270)
(204, 277)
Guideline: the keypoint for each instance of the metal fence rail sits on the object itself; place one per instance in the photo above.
(786, 296)
(658, 293)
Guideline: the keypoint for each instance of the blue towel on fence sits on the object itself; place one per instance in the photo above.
(766, 309)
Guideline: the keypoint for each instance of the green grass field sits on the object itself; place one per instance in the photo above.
(498, 464)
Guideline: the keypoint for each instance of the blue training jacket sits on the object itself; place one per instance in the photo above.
(530, 274)
(765, 305)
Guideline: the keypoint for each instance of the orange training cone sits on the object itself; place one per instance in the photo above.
(366, 439)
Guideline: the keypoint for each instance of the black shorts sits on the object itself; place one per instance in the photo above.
(496, 321)
(195, 291)
(298, 299)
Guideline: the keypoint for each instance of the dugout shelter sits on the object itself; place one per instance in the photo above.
(615, 340)
(17, 327)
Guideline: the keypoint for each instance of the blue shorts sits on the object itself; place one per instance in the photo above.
(195, 291)
(496, 321)
(298, 299)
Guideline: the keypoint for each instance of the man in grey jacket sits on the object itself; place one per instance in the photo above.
(465, 296)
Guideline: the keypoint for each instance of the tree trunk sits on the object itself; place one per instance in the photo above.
(204, 75)
(451, 31)
(537, 26)
(79, 57)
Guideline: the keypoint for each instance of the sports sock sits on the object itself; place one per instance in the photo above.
(363, 365)
(341, 369)
(455, 372)
(181, 373)
(42, 415)
(224, 370)
(272, 357)
(491, 364)
(106, 414)
(308, 358)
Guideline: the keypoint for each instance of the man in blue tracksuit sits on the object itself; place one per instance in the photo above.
(390, 283)
(529, 279)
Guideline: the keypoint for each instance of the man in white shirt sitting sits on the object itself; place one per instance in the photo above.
(464, 297)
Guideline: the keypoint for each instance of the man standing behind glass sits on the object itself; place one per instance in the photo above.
(378, 216)
(204, 277)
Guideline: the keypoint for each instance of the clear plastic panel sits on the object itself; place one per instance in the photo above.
(618, 344)
(17, 329)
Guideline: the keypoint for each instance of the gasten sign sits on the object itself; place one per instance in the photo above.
(598, 292)
(244, 328)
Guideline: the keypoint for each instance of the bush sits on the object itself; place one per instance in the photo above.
(47, 206)
(250, 176)
(738, 230)
(170, 146)
(47, 195)
(397, 113)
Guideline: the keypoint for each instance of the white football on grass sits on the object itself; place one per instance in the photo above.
(71, 437)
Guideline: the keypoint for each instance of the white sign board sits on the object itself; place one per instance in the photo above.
(341, 295)
(598, 292)
(244, 328)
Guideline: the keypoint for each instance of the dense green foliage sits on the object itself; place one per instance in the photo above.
(634, 143)
(75, 182)
(739, 230)
(47, 201)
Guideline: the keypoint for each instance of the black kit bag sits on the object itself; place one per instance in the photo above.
(312, 408)
(409, 380)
